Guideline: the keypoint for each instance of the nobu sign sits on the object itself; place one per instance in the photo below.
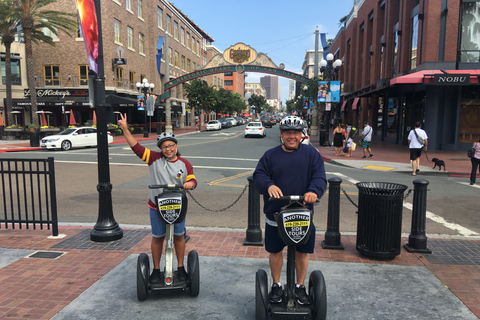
(451, 79)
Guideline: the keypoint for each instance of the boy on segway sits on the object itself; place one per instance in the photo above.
(292, 168)
(166, 167)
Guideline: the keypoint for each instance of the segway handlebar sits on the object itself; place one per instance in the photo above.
(290, 198)
(167, 186)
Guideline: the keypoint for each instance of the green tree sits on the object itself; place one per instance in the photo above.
(8, 29)
(258, 102)
(200, 95)
(34, 17)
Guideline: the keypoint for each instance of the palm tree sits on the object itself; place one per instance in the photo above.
(8, 28)
(33, 18)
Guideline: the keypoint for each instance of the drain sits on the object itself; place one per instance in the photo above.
(46, 255)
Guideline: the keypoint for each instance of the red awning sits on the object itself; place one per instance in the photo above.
(426, 76)
(343, 105)
(355, 102)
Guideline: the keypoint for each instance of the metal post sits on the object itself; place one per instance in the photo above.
(106, 229)
(168, 104)
(253, 233)
(332, 235)
(53, 196)
(314, 126)
(417, 241)
(145, 129)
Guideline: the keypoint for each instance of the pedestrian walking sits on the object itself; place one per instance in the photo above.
(367, 138)
(338, 136)
(417, 141)
(475, 162)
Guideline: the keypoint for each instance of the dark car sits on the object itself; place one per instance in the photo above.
(225, 123)
(267, 121)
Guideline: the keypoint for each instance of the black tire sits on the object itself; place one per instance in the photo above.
(261, 295)
(193, 269)
(318, 294)
(143, 272)
(66, 145)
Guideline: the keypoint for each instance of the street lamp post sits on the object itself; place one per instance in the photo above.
(146, 88)
(328, 68)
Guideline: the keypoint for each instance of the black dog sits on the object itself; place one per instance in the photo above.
(438, 163)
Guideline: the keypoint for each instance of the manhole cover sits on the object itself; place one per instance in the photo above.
(46, 255)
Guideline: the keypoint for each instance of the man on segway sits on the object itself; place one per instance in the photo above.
(292, 168)
(166, 167)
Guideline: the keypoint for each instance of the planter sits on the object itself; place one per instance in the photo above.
(32, 129)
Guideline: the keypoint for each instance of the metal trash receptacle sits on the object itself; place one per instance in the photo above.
(379, 225)
(34, 139)
(323, 137)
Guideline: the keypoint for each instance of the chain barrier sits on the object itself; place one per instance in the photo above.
(356, 206)
(218, 210)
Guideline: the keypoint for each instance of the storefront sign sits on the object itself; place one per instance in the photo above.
(62, 93)
(451, 79)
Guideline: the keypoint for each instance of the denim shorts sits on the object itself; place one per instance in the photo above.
(159, 229)
(275, 244)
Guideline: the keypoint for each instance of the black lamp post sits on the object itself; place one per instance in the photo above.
(146, 88)
(328, 68)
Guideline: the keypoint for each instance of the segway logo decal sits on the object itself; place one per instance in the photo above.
(170, 209)
(296, 226)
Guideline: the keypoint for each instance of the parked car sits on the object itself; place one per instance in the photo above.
(240, 121)
(214, 125)
(267, 121)
(72, 138)
(233, 121)
(255, 129)
(225, 123)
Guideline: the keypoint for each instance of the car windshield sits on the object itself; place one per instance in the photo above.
(254, 124)
(67, 131)
(213, 122)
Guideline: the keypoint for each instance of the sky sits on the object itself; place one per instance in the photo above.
(282, 29)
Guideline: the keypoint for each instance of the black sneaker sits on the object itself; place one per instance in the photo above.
(364, 157)
(182, 274)
(155, 276)
(275, 295)
(302, 296)
(371, 156)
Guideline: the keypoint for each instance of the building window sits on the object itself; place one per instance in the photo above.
(140, 9)
(83, 74)
(188, 40)
(128, 5)
(160, 17)
(183, 63)
(79, 29)
(228, 74)
(140, 44)
(117, 30)
(131, 78)
(214, 81)
(52, 75)
(413, 42)
(193, 44)
(380, 58)
(198, 48)
(470, 32)
(16, 74)
(175, 29)
(177, 59)
(395, 54)
(188, 65)
(228, 83)
(50, 33)
(169, 24)
(170, 58)
(142, 76)
(130, 37)
(119, 74)
(182, 35)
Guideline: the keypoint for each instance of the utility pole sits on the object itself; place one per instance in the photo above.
(168, 105)
(314, 127)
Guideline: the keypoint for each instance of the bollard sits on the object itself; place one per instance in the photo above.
(332, 235)
(253, 233)
(417, 241)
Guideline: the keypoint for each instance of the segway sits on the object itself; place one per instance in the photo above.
(171, 208)
(294, 226)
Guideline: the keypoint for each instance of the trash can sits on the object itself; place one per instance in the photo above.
(159, 128)
(34, 139)
(324, 138)
(379, 225)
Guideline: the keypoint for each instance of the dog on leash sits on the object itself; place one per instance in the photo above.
(438, 163)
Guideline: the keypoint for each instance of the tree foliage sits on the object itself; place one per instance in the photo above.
(259, 102)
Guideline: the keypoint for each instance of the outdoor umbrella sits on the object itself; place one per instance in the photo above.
(72, 121)
(1, 121)
(94, 122)
(246, 114)
(44, 119)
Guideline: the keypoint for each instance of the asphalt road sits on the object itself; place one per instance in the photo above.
(222, 162)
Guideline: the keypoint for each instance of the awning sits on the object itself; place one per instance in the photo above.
(343, 105)
(426, 76)
(51, 102)
(119, 101)
(355, 102)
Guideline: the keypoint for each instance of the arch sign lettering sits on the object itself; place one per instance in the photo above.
(238, 58)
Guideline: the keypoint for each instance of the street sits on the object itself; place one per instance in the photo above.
(222, 161)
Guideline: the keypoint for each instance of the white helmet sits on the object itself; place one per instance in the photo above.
(166, 136)
(292, 123)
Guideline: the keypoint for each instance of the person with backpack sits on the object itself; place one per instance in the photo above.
(417, 140)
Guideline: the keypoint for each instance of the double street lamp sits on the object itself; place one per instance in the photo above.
(146, 88)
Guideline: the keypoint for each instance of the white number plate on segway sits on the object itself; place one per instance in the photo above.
(296, 225)
(170, 209)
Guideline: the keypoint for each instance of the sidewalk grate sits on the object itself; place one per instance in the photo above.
(82, 241)
(454, 252)
(46, 255)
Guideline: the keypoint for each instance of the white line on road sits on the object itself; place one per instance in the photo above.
(338, 174)
(468, 184)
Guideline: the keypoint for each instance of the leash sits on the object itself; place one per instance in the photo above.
(426, 155)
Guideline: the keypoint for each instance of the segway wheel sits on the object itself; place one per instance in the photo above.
(193, 269)
(143, 272)
(261, 295)
(318, 294)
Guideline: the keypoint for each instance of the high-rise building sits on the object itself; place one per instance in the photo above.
(270, 83)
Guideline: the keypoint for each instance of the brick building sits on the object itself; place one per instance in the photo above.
(412, 60)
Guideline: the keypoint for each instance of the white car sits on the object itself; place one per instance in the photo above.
(233, 121)
(214, 125)
(255, 129)
(72, 138)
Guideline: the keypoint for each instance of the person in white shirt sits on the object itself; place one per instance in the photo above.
(367, 138)
(416, 147)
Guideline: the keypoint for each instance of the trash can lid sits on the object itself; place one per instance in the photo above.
(381, 188)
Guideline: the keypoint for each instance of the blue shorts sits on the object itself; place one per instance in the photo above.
(366, 144)
(275, 244)
(159, 229)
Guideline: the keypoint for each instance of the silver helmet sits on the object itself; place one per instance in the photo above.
(166, 136)
(292, 123)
